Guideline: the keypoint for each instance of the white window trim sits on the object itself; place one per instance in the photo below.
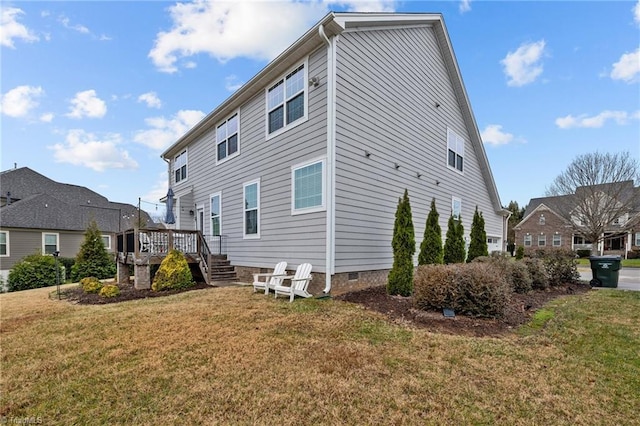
(57, 241)
(323, 206)
(235, 154)
(637, 239)
(528, 239)
(107, 246)
(244, 216)
(186, 154)
(7, 244)
(558, 238)
(219, 195)
(457, 137)
(300, 120)
(453, 201)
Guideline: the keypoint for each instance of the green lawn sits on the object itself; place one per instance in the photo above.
(229, 356)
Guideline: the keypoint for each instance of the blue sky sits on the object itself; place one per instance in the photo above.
(93, 92)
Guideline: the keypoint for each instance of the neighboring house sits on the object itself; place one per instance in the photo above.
(307, 160)
(39, 214)
(544, 226)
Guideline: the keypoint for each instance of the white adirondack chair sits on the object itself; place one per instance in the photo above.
(269, 281)
(299, 283)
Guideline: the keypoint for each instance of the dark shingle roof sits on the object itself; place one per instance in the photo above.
(38, 202)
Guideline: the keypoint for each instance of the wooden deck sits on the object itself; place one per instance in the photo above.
(145, 247)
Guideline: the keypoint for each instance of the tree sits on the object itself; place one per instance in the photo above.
(454, 251)
(404, 246)
(92, 259)
(478, 244)
(517, 214)
(597, 190)
(431, 246)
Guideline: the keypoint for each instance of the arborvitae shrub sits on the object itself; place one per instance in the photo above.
(400, 281)
(173, 273)
(454, 251)
(90, 284)
(478, 236)
(475, 289)
(519, 253)
(538, 273)
(431, 246)
(109, 290)
(34, 271)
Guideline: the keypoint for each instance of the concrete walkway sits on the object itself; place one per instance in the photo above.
(628, 278)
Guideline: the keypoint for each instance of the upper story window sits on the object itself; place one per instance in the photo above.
(49, 243)
(456, 207)
(455, 150)
(4, 243)
(308, 187)
(227, 138)
(180, 166)
(541, 220)
(287, 101)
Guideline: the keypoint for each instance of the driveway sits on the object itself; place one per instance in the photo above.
(628, 278)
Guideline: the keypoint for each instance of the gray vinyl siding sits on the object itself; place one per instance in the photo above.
(388, 82)
(293, 238)
(23, 243)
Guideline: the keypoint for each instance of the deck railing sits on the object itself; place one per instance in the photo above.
(160, 241)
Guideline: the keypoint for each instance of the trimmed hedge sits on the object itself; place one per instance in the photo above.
(34, 271)
(560, 265)
(476, 289)
(516, 273)
(538, 273)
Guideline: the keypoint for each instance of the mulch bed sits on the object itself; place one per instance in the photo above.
(127, 292)
(520, 310)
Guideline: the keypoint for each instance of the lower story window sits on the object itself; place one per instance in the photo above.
(308, 187)
(49, 243)
(4, 243)
(252, 210)
(527, 240)
(557, 240)
(542, 240)
(106, 240)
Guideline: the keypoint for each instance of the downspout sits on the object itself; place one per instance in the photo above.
(331, 156)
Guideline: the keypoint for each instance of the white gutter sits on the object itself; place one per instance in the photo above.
(331, 159)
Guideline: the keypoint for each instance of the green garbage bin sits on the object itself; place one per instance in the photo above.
(605, 270)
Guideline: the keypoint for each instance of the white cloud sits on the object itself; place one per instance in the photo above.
(596, 121)
(494, 135)
(159, 189)
(465, 6)
(66, 22)
(85, 149)
(11, 29)
(523, 66)
(627, 68)
(636, 12)
(226, 30)
(231, 83)
(47, 117)
(18, 101)
(87, 104)
(164, 132)
(151, 99)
